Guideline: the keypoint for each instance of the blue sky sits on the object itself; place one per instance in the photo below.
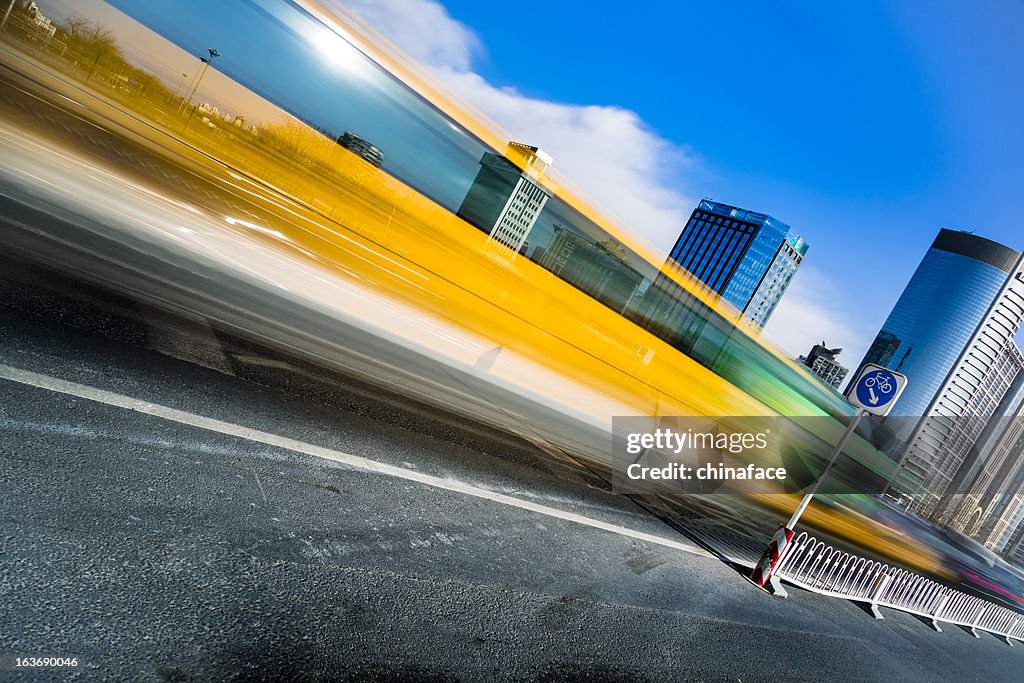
(866, 126)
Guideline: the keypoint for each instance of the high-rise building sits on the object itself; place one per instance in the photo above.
(1013, 549)
(748, 258)
(361, 148)
(883, 350)
(822, 362)
(951, 332)
(600, 269)
(1004, 511)
(505, 200)
(987, 500)
(38, 20)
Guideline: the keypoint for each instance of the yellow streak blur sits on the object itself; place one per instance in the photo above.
(363, 222)
(378, 48)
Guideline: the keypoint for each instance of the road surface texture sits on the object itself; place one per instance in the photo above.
(167, 521)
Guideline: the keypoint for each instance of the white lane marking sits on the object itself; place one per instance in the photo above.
(41, 381)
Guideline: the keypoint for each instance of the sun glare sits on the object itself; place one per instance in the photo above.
(335, 50)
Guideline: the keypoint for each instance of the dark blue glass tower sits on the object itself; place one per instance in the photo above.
(938, 313)
(748, 258)
(952, 334)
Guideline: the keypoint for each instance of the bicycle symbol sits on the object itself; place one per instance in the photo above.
(884, 385)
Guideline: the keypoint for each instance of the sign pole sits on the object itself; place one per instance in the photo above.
(873, 392)
(791, 524)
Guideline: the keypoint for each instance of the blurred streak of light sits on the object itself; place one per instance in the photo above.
(129, 209)
(259, 228)
(577, 338)
(132, 209)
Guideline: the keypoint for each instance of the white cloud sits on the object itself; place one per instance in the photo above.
(608, 151)
(423, 29)
(612, 155)
(811, 312)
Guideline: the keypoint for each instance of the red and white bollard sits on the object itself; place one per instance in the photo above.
(764, 572)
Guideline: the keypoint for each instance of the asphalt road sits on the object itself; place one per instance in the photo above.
(167, 521)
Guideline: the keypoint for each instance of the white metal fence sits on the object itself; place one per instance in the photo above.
(817, 566)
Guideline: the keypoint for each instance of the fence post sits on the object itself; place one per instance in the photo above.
(935, 614)
(1009, 632)
(765, 573)
(881, 583)
(977, 620)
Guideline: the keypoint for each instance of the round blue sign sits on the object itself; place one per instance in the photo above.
(877, 388)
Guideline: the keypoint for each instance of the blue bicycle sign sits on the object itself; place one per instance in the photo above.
(876, 389)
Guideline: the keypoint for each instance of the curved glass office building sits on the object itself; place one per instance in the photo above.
(951, 333)
(957, 282)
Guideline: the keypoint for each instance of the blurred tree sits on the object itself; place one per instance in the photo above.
(100, 41)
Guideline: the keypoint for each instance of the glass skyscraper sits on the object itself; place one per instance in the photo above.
(938, 313)
(748, 258)
(504, 200)
(951, 333)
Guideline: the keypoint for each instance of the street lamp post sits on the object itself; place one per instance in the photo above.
(206, 65)
(188, 88)
(7, 15)
(180, 81)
